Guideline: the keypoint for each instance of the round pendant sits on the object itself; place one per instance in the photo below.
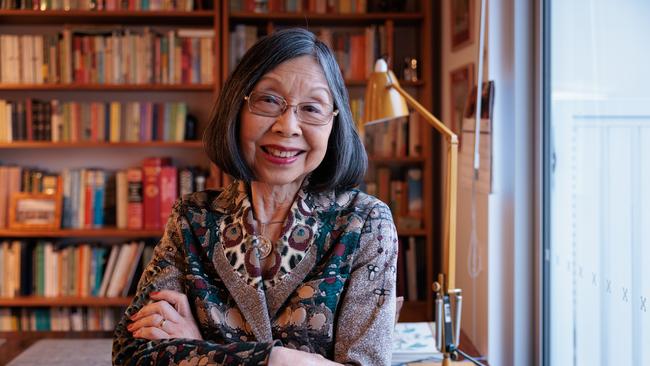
(264, 246)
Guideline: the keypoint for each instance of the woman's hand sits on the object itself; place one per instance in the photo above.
(168, 317)
(281, 356)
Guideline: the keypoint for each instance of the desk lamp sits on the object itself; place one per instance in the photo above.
(385, 100)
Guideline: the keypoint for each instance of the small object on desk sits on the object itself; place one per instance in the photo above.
(414, 342)
(55, 352)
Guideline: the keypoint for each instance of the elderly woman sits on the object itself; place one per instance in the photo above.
(290, 263)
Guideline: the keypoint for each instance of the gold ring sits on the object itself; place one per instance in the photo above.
(162, 323)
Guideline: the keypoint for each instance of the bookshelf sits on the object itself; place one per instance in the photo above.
(413, 24)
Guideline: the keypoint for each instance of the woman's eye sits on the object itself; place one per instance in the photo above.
(269, 99)
(312, 108)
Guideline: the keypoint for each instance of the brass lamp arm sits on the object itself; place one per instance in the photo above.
(449, 251)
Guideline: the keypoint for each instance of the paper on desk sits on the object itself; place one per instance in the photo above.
(413, 342)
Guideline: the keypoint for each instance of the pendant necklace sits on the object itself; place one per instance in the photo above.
(265, 245)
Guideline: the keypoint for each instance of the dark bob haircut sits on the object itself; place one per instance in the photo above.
(345, 161)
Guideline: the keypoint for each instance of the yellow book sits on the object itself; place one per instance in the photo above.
(115, 122)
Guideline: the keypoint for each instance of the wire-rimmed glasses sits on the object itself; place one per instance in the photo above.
(270, 105)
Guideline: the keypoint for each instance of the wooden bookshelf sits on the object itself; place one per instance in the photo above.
(390, 160)
(80, 233)
(222, 21)
(61, 301)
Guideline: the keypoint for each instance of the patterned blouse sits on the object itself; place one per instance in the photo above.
(330, 288)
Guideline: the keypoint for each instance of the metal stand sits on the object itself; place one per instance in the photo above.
(448, 316)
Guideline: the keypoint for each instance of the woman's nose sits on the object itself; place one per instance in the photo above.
(287, 123)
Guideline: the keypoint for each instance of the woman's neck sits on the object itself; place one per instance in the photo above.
(271, 203)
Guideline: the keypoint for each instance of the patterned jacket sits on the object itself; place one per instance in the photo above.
(331, 289)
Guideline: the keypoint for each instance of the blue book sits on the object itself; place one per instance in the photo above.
(99, 193)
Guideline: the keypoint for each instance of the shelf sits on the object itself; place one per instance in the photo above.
(101, 145)
(80, 233)
(40, 301)
(56, 17)
(413, 160)
(403, 83)
(411, 232)
(329, 18)
(108, 87)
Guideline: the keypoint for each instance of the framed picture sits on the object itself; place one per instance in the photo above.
(462, 16)
(461, 81)
(34, 211)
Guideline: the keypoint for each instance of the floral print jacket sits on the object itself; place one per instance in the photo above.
(330, 289)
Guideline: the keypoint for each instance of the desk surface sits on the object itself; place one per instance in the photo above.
(59, 352)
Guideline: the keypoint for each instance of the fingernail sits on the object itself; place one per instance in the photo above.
(155, 293)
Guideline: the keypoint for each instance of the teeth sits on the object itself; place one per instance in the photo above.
(281, 153)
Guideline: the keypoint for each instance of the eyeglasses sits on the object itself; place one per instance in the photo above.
(269, 105)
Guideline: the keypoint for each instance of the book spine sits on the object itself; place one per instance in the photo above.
(168, 191)
(134, 198)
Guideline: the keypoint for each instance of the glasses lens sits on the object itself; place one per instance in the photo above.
(314, 113)
(266, 104)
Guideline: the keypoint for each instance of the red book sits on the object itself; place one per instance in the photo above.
(134, 198)
(151, 168)
(89, 189)
(186, 66)
(168, 191)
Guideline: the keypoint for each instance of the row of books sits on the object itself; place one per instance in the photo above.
(398, 138)
(99, 5)
(355, 49)
(242, 37)
(300, 6)
(47, 269)
(403, 196)
(411, 269)
(59, 319)
(100, 56)
(37, 120)
(134, 198)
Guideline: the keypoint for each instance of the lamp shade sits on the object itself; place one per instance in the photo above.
(381, 102)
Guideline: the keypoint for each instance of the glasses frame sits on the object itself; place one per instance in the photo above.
(286, 106)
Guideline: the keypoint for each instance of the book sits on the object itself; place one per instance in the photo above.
(134, 198)
(151, 180)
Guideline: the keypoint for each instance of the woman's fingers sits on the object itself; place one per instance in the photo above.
(159, 307)
(176, 299)
(151, 333)
(153, 320)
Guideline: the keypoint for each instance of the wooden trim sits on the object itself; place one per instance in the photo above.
(108, 87)
(81, 233)
(330, 17)
(40, 301)
(101, 145)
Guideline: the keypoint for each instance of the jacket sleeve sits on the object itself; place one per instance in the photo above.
(166, 271)
(364, 328)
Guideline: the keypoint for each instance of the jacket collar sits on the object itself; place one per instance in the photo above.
(258, 300)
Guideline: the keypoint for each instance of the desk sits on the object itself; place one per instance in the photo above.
(60, 352)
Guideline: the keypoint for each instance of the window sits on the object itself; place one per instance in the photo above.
(597, 253)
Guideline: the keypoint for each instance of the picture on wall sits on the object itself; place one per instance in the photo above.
(462, 15)
(461, 81)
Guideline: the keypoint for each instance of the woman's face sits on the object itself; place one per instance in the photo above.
(283, 150)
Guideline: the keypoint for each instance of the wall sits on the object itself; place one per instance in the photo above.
(471, 275)
(498, 314)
